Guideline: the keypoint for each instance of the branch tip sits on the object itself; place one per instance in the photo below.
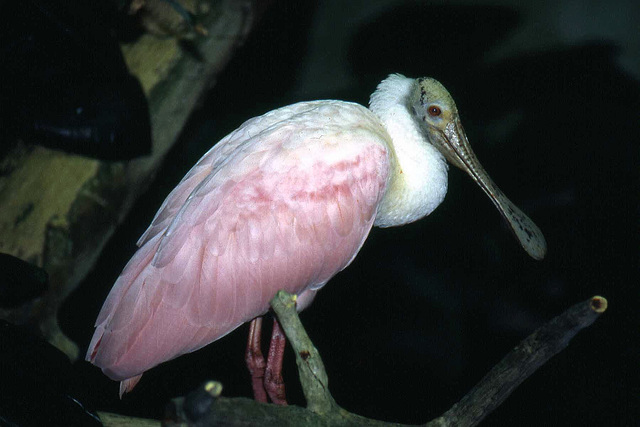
(284, 299)
(598, 304)
(214, 388)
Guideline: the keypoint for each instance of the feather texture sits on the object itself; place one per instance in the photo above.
(284, 202)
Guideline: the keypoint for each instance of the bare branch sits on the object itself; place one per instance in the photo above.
(520, 363)
(204, 407)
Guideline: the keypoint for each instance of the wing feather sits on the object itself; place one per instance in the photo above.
(212, 160)
(285, 202)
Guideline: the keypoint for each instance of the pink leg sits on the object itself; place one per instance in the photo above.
(255, 360)
(273, 382)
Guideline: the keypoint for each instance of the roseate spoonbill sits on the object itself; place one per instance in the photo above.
(283, 202)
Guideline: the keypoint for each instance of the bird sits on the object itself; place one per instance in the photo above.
(285, 201)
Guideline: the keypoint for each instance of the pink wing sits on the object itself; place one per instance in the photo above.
(284, 202)
(213, 160)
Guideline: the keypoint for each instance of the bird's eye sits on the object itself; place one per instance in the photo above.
(434, 110)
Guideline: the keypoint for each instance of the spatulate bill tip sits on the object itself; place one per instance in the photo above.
(537, 251)
(527, 232)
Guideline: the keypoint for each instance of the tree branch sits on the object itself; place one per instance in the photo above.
(205, 407)
(544, 343)
(313, 377)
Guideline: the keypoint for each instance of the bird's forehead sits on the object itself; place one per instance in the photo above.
(432, 90)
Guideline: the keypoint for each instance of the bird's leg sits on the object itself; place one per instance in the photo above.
(255, 360)
(273, 382)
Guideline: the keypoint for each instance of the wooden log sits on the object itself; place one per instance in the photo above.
(58, 210)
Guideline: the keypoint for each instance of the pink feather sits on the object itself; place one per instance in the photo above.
(284, 202)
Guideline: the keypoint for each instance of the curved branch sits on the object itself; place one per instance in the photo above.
(533, 352)
(204, 407)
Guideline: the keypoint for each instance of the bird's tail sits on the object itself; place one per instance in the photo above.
(127, 385)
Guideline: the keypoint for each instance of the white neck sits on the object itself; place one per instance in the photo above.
(418, 175)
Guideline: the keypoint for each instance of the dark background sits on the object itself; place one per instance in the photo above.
(549, 97)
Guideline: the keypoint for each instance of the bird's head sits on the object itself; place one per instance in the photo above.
(438, 116)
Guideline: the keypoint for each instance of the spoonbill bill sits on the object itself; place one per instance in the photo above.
(283, 202)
